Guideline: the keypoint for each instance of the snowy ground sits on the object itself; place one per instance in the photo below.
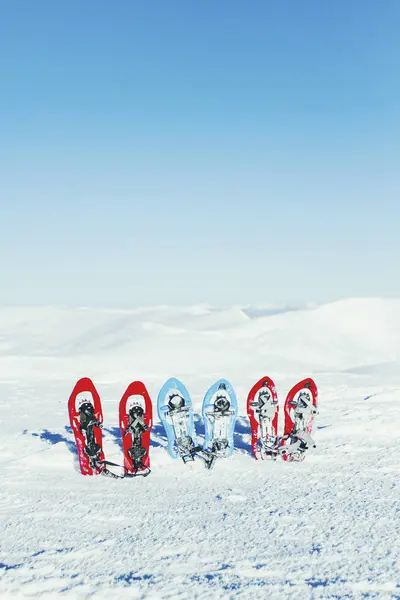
(327, 528)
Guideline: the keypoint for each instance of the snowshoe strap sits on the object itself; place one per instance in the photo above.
(146, 471)
(299, 444)
(208, 457)
(102, 464)
(303, 406)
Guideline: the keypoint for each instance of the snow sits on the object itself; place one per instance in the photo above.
(326, 528)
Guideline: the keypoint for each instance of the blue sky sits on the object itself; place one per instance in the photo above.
(175, 152)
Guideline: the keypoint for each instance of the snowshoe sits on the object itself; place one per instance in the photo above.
(220, 410)
(301, 407)
(175, 411)
(86, 418)
(262, 409)
(135, 419)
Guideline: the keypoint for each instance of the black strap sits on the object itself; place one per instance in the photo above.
(104, 471)
(208, 457)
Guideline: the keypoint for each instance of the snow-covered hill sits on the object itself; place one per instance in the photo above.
(327, 528)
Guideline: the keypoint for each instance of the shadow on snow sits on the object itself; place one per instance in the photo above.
(158, 437)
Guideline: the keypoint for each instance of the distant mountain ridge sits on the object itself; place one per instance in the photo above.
(347, 335)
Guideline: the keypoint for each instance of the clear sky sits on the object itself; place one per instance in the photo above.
(186, 151)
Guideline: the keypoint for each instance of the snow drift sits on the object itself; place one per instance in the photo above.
(326, 528)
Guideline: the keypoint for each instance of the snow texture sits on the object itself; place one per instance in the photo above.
(325, 528)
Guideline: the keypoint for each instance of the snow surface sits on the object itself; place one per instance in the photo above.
(326, 528)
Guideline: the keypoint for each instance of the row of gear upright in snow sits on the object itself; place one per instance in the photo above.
(175, 411)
